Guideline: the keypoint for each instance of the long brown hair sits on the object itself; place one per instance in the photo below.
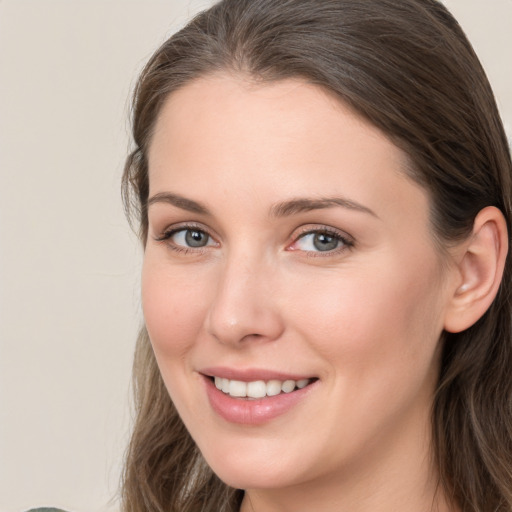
(407, 67)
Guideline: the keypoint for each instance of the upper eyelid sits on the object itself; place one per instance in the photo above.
(311, 228)
(175, 228)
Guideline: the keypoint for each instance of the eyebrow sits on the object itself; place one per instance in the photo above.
(179, 202)
(300, 205)
(282, 209)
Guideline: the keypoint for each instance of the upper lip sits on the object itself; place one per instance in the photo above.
(251, 374)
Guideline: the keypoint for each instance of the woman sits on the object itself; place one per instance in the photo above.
(324, 198)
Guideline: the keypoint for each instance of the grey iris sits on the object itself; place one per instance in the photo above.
(196, 238)
(325, 242)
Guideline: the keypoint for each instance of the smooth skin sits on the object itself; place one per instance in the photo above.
(352, 290)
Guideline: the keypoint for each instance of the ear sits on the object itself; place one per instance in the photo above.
(480, 265)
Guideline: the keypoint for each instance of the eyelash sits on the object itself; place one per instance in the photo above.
(346, 241)
(168, 234)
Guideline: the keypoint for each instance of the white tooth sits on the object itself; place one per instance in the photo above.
(273, 387)
(256, 389)
(225, 385)
(288, 386)
(237, 388)
(302, 383)
(218, 382)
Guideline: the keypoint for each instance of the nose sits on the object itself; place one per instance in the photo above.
(244, 306)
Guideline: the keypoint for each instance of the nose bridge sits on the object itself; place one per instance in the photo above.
(242, 307)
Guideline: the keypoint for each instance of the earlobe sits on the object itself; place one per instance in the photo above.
(480, 268)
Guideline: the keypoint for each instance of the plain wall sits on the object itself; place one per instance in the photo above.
(69, 265)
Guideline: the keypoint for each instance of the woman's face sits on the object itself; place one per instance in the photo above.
(287, 248)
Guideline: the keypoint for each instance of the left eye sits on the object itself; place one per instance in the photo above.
(193, 238)
(319, 241)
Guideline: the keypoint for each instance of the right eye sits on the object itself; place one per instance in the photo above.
(191, 238)
(187, 238)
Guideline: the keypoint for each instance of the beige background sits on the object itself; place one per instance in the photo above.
(69, 299)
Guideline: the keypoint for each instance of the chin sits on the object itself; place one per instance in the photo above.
(256, 468)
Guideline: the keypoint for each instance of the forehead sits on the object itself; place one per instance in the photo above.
(222, 133)
(219, 97)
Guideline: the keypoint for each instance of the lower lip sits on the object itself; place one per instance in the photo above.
(253, 411)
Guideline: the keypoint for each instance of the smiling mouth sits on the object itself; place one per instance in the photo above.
(259, 388)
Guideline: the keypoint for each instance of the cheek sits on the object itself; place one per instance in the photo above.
(173, 307)
(379, 333)
(360, 320)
